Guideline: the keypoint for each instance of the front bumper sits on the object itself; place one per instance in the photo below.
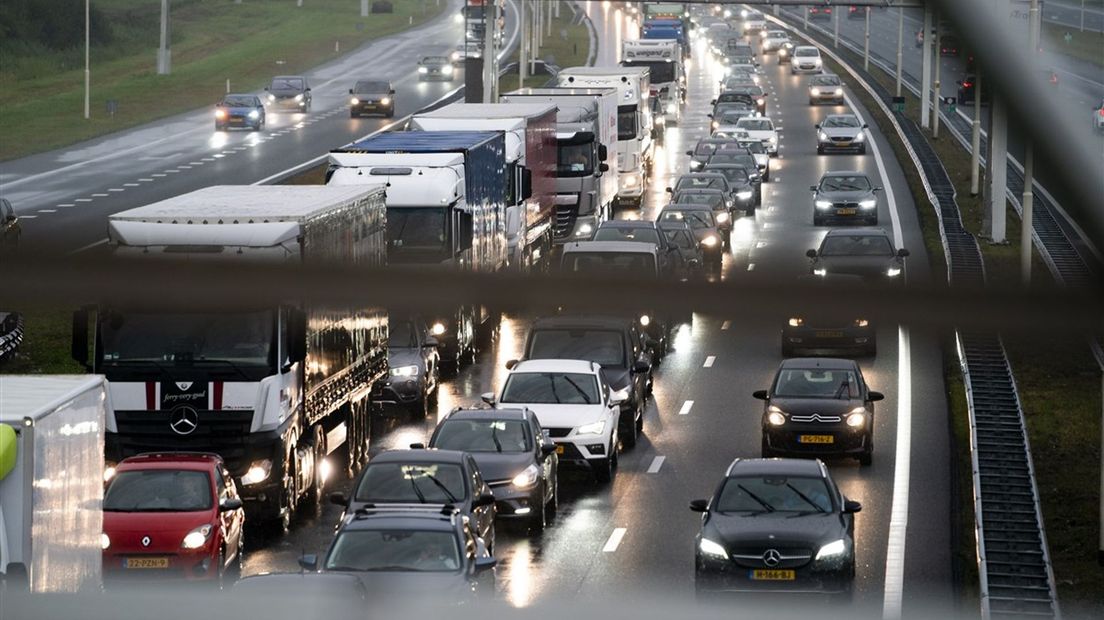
(847, 214)
(286, 103)
(199, 565)
(509, 500)
(828, 339)
(842, 145)
(400, 391)
(801, 67)
(826, 97)
(809, 439)
(719, 576)
(583, 450)
(372, 108)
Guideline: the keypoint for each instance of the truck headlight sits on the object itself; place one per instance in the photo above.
(594, 428)
(775, 416)
(796, 321)
(253, 114)
(354, 101)
(832, 549)
(743, 195)
(584, 229)
(824, 204)
(258, 472)
(893, 272)
(105, 541)
(857, 417)
(197, 538)
(404, 371)
(438, 328)
(710, 548)
(869, 203)
(528, 478)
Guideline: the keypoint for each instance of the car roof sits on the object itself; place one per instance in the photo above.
(196, 461)
(857, 232)
(780, 467)
(289, 77)
(405, 518)
(703, 190)
(455, 457)
(826, 363)
(586, 321)
(556, 365)
(627, 224)
(623, 247)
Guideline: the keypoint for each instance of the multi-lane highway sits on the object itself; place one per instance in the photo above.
(636, 535)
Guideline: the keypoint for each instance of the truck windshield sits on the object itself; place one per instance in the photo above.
(662, 71)
(626, 122)
(159, 490)
(575, 160)
(417, 235)
(242, 338)
(633, 263)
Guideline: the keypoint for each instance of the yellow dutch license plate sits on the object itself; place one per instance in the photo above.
(772, 574)
(147, 563)
(846, 212)
(816, 439)
(829, 334)
(559, 448)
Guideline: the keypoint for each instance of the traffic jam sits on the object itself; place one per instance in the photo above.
(457, 453)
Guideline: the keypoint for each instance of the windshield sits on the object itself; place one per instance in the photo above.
(401, 334)
(806, 51)
(394, 550)
(705, 148)
(434, 60)
(679, 238)
(286, 84)
(713, 199)
(840, 121)
(575, 160)
(696, 219)
(844, 184)
(661, 71)
(632, 263)
(700, 183)
(603, 347)
(417, 235)
(239, 102)
(732, 117)
(626, 122)
(159, 490)
(774, 494)
(825, 80)
(735, 176)
(816, 383)
(645, 234)
(551, 388)
(371, 87)
(411, 483)
(856, 245)
(755, 124)
(483, 436)
(754, 147)
(741, 93)
(244, 338)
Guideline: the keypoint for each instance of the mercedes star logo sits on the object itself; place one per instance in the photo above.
(184, 420)
(771, 557)
(145, 541)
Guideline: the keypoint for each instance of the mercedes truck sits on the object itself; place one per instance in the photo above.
(663, 59)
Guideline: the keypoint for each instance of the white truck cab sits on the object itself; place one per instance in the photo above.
(663, 58)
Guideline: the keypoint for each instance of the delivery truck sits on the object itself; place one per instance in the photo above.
(635, 127)
(446, 208)
(530, 133)
(51, 482)
(663, 59)
(586, 133)
(280, 391)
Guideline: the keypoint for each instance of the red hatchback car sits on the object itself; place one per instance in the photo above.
(172, 516)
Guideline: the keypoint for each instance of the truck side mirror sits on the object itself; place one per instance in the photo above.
(603, 167)
(79, 345)
(603, 152)
(297, 336)
(350, 91)
(526, 183)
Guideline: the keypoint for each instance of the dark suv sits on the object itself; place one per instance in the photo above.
(372, 97)
(614, 344)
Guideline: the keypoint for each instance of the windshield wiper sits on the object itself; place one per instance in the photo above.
(440, 485)
(805, 498)
(844, 390)
(494, 438)
(755, 497)
(417, 491)
(552, 382)
(578, 389)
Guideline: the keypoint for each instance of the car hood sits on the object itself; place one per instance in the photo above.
(397, 357)
(564, 415)
(782, 529)
(371, 95)
(165, 530)
(285, 92)
(809, 406)
(618, 378)
(853, 196)
(857, 265)
(501, 466)
(841, 132)
(237, 109)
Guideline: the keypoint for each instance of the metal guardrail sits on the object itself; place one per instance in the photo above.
(1015, 574)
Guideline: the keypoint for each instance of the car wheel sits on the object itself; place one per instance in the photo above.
(554, 502)
(862, 150)
(767, 452)
(221, 570)
(539, 517)
(812, 102)
(817, 221)
(866, 459)
(628, 431)
(419, 408)
(603, 470)
(640, 424)
(820, 150)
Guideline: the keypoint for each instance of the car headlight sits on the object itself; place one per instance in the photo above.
(584, 229)
(859, 137)
(709, 241)
(772, 139)
(253, 114)
(823, 137)
(893, 272)
(105, 541)
(723, 215)
(816, 61)
(814, 92)
(404, 371)
(456, 56)
(385, 101)
(447, 69)
(832, 549)
(197, 538)
(796, 321)
(708, 547)
(594, 428)
(272, 97)
(857, 417)
(783, 51)
(775, 416)
(299, 97)
(220, 114)
(695, 164)
(109, 472)
(820, 271)
(839, 91)
(824, 204)
(645, 320)
(631, 180)
(862, 323)
(354, 101)
(760, 101)
(528, 478)
(258, 472)
(423, 70)
(744, 194)
(869, 203)
(438, 328)
(716, 124)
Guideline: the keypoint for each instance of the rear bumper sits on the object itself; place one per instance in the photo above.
(855, 339)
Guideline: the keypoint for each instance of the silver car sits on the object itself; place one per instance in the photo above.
(841, 132)
(805, 59)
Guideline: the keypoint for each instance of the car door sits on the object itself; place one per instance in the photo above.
(484, 515)
(547, 462)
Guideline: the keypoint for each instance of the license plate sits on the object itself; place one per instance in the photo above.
(829, 334)
(146, 563)
(559, 448)
(846, 211)
(772, 574)
(816, 439)
(841, 142)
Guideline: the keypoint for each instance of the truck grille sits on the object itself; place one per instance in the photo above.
(565, 220)
(221, 432)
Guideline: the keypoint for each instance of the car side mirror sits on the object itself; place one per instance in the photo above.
(230, 503)
(547, 448)
(876, 189)
(699, 505)
(865, 126)
(485, 563)
(339, 499)
(391, 92)
(811, 253)
(669, 190)
(874, 397)
(710, 115)
(350, 91)
(489, 398)
(712, 102)
(690, 153)
(903, 252)
(812, 188)
(641, 366)
(510, 364)
(850, 506)
(430, 341)
(486, 499)
(526, 184)
(266, 88)
(759, 394)
(817, 126)
(308, 562)
(307, 89)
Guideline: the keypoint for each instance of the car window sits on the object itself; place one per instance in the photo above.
(840, 121)
(806, 51)
(394, 550)
(679, 238)
(774, 494)
(734, 175)
(601, 346)
(158, 490)
(700, 183)
(816, 383)
(371, 87)
(755, 124)
(844, 184)
(732, 117)
(705, 148)
(287, 84)
(700, 198)
(635, 263)
(411, 483)
(856, 245)
(551, 388)
(825, 80)
(482, 436)
(755, 147)
(620, 233)
(696, 219)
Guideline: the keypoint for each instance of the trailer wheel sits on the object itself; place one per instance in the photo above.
(312, 499)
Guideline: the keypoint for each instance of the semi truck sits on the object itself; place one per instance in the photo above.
(530, 133)
(51, 482)
(635, 126)
(663, 59)
(586, 133)
(275, 389)
(446, 207)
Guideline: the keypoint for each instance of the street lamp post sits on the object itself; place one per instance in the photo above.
(866, 40)
(87, 72)
(900, 45)
(1028, 199)
(164, 54)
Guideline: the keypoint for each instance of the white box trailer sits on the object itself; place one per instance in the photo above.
(51, 481)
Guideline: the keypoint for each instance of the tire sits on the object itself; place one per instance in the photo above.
(353, 114)
(817, 221)
(606, 468)
(538, 519)
(767, 452)
(312, 500)
(554, 502)
(766, 177)
(866, 459)
(812, 102)
(820, 150)
(787, 350)
(640, 424)
(628, 433)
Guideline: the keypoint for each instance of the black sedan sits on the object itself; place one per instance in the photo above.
(743, 188)
(776, 525)
(435, 68)
(519, 463)
(845, 196)
(372, 97)
(819, 407)
(289, 92)
(866, 252)
(816, 330)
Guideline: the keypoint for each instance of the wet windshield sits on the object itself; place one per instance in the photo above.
(244, 338)
(626, 122)
(844, 184)
(825, 80)
(773, 494)
(574, 160)
(856, 245)
(239, 102)
(735, 176)
(287, 84)
(371, 87)
(756, 124)
(816, 383)
(806, 51)
(696, 219)
(159, 490)
(634, 263)
(417, 235)
(548, 388)
(483, 436)
(411, 483)
(401, 334)
(700, 183)
(603, 347)
(661, 71)
(840, 121)
(680, 238)
(645, 234)
(394, 550)
(714, 200)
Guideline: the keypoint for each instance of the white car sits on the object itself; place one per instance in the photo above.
(577, 409)
(773, 40)
(806, 59)
(1098, 117)
(762, 129)
(755, 22)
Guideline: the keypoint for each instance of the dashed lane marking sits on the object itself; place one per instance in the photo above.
(657, 462)
(614, 540)
(686, 406)
(709, 361)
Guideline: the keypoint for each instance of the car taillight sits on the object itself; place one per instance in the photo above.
(967, 84)
(1102, 111)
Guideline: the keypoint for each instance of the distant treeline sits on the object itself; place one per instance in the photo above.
(51, 24)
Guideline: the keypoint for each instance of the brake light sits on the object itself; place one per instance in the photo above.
(1101, 111)
(967, 84)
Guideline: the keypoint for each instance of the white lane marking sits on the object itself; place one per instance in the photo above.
(195, 163)
(116, 189)
(751, 266)
(614, 540)
(657, 462)
(709, 361)
(130, 184)
(99, 195)
(66, 205)
(145, 180)
(158, 175)
(184, 167)
(898, 237)
(726, 325)
(27, 217)
(208, 159)
(83, 200)
(47, 210)
(898, 514)
(89, 246)
(686, 406)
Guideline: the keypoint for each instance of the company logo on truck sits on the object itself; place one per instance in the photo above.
(184, 420)
(174, 393)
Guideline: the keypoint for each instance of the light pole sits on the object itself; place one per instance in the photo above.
(523, 57)
(925, 73)
(866, 40)
(975, 138)
(835, 28)
(364, 8)
(87, 71)
(936, 85)
(164, 54)
(900, 44)
(1027, 201)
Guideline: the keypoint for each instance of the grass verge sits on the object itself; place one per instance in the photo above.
(567, 46)
(1087, 46)
(212, 41)
(47, 333)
